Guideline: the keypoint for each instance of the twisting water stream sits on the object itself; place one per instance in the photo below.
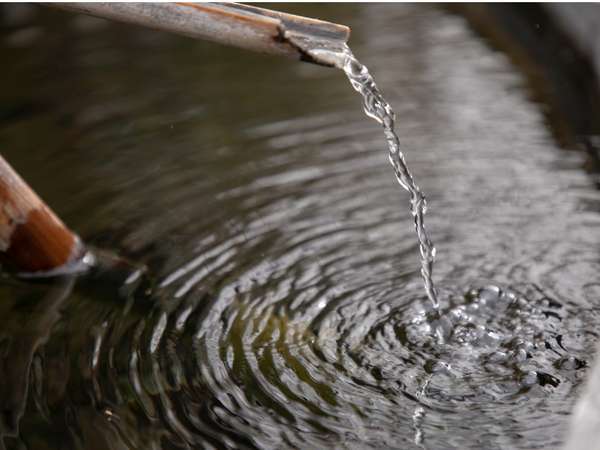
(377, 108)
(281, 305)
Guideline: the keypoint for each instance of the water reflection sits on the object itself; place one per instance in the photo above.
(281, 304)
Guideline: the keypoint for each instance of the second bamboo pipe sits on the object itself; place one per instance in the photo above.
(33, 240)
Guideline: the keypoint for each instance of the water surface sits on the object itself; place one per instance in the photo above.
(281, 304)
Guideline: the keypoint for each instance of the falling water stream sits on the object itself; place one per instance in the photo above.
(266, 293)
(377, 108)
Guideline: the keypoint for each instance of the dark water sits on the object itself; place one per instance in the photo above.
(281, 304)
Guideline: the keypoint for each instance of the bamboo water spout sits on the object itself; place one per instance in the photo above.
(243, 26)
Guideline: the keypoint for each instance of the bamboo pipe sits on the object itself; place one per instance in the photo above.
(33, 240)
(243, 26)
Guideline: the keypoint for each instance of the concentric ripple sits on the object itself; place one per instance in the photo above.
(273, 297)
(277, 362)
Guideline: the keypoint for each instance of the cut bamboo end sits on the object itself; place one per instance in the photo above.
(33, 240)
